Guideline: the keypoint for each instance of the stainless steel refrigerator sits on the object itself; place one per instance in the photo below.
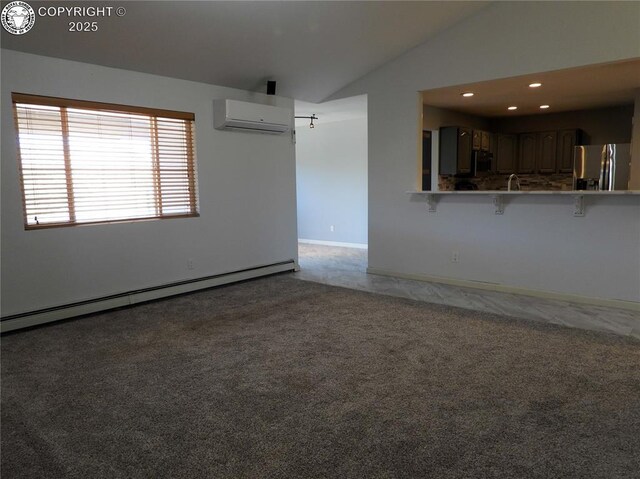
(602, 167)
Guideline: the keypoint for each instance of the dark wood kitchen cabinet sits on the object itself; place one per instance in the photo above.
(547, 151)
(477, 139)
(537, 152)
(527, 148)
(485, 142)
(505, 153)
(481, 140)
(455, 150)
(567, 140)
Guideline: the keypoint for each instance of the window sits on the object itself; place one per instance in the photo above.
(85, 162)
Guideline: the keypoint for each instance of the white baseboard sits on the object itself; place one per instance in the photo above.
(334, 243)
(34, 318)
(505, 288)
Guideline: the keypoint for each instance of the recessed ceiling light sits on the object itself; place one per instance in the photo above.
(535, 85)
(467, 94)
(544, 107)
(512, 108)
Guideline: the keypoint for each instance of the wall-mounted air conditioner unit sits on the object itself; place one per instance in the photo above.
(245, 116)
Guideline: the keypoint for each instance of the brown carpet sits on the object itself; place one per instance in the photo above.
(280, 378)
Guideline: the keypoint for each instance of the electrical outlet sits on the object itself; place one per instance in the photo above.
(189, 264)
(332, 228)
(455, 257)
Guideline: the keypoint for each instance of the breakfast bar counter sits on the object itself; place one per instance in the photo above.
(498, 196)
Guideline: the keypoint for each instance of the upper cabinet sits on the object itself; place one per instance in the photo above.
(485, 143)
(481, 140)
(538, 152)
(567, 140)
(546, 159)
(506, 153)
(547, 152)
(527, 150)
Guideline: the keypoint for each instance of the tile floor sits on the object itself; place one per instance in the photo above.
(346, 267)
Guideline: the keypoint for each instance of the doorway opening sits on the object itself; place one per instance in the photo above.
(331, 181)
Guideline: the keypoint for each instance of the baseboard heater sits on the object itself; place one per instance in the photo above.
(34, 318)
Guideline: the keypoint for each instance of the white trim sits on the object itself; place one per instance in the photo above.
(505, 288)
(335, 243)
(134, 297)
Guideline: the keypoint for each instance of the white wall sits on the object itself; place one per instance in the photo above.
(331, 170)
(246, 185)
(537, 244)
(634, 182)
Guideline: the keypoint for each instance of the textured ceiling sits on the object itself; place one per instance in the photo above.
(311, 49)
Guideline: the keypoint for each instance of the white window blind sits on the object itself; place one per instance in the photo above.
(85, 162)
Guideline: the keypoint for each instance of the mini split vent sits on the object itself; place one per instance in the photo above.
(245, 116)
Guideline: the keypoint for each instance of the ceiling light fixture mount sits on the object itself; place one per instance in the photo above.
(312, 117)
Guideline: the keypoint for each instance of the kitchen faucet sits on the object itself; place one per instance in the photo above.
(511, 177)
